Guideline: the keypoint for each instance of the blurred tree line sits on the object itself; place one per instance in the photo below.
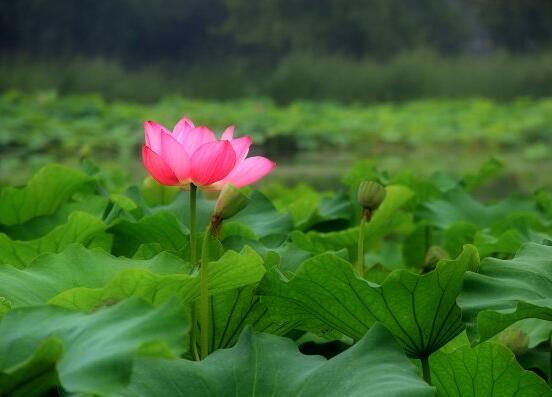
(346, 50)
(143, 30)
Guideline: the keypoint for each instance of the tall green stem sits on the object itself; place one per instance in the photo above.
(550, 358)
(193, 333)
(425, 369)
(204, 293)
(193, 223)
(360, 252)
(193, 262)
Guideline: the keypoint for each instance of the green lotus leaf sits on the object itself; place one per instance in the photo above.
(457, 205)
(234, 310)
(51, 274)
(420, 310)
(50, 187)
(267, 365)
(506, 291)
(80, 228)
(39, 226)
(262, 218)
(88, 353)
(162, 228)
(232, 270)
(488, 370)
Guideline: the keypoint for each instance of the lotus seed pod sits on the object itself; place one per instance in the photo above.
(370, 195)
(230, 201)
(516, 340)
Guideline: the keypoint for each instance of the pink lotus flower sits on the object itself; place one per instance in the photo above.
(194, 155)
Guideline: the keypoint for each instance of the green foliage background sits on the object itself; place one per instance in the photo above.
(45, 127)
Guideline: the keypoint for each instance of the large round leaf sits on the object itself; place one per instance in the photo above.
(232, 270)
(236, 309)
(80, 228)
(266, 365)
(51, 274)
(50, 187)
(457, 205)
(488, 370)
(420, 310)
(506, 291)
(88, 352)
(162, 228)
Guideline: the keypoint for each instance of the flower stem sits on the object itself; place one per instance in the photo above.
(550, 362)
(193, 333)
(193, 222)
(425, 369)
(204, 293)
(360, 252)
(193, 261)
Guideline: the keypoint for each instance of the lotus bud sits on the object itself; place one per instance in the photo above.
(516, 340)
(230, 201)
(434, 255)
(370, 195)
